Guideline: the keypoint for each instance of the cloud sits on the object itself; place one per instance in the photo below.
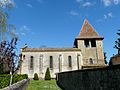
(108, 15)
(73, 13)
(107, 2)
(29, 5)
(110, 2)
(84, 3)
(23, 30)
(87, 4)
(116, 2)
(105, 16)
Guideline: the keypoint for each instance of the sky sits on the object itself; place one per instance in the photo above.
(56, 23)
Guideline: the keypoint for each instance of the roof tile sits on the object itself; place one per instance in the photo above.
(87, 31)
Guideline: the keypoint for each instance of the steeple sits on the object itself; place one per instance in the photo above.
(88, 32)
(91, 45)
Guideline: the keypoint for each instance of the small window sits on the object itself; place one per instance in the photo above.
(31, 62)
(69, 61)
(86, 42)
(23, 57)
(51, 62)
(90, 61)
(93, 43)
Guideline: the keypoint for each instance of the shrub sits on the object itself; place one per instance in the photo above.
(36, 76)
(5, 79)
(47, 74)
(18, 77)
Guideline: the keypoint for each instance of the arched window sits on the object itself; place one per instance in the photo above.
(78, 61)
(31, 62)
(41, 62)
(69, 61)
(51, 62)
(60, 62)
(23, 57)
(90, 61)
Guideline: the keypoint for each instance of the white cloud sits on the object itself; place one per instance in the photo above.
(106, 2)
(108, 15)
(116, 2)
(84, 3)
(73, 13)
(87, 4)
(110, 2)
(24, 28)
(105, 16)
(29, 5)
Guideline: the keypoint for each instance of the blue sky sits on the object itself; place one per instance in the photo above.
(56, 23)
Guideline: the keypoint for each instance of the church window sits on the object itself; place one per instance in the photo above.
(69, 61)
(90, 43)
(60, 62)
(40, 62)
(23, 57)
(51, 62)
(86, 42)
(90, 61)
(31, 62)
(78, 60)
(93, 43)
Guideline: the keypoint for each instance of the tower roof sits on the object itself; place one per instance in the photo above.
(88, 32)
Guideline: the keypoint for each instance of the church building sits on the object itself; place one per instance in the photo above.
(86, 53)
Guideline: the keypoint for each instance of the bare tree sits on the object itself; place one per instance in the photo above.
(117, 43)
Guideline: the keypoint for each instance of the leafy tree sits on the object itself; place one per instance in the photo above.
(47, 74)
(36, 76)
(6, 30)
(117, 43)
(7, 48)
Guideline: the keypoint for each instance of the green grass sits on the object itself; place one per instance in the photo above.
(43, 85)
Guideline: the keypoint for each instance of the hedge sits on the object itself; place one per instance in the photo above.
(5, 79)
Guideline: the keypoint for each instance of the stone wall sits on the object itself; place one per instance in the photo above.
(91, 79)
(21, 85)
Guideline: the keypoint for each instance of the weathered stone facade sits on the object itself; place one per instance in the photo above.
(87, 53)
(60, 61)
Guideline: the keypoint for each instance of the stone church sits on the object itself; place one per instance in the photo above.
(86, 53)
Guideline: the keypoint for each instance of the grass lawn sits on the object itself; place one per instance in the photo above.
(43, 85)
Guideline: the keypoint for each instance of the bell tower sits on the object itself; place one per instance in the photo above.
(91, 45)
